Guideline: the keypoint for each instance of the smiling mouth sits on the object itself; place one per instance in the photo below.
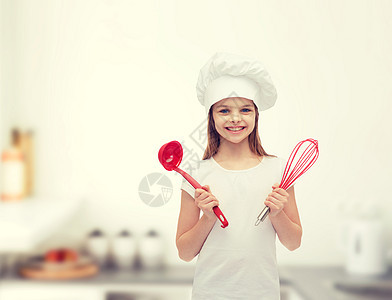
(235, 129)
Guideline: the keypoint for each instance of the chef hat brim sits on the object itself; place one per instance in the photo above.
(228, 75)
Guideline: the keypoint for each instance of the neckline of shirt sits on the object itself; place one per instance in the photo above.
(236, 171)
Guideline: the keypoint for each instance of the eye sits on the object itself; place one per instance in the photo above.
(223, 110)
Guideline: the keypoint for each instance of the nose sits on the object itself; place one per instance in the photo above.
(235, 117)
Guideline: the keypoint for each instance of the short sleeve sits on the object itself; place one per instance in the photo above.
(192, 170)
(187, 187)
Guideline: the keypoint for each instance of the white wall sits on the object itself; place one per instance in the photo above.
(105, 83)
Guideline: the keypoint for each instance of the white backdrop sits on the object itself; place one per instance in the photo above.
(105, 83)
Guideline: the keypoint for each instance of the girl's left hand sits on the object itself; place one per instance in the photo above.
(276, 200)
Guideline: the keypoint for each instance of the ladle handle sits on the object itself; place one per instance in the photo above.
(220, 216)
(196, 185)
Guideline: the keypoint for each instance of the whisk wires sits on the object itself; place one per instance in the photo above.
(305, 161)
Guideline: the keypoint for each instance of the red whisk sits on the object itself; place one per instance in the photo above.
(304, 162)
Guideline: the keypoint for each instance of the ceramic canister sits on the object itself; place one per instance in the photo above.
(365, 248)
(124, 249)
(151, 250)
(98, 246)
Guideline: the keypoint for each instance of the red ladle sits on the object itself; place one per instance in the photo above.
(170, 156)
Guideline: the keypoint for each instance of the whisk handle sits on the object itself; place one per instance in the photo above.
(261, 217)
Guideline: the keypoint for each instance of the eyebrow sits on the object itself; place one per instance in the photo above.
(223, 105)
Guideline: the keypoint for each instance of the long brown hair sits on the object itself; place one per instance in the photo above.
(213, 138)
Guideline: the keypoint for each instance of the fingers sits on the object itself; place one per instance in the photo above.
(206, 188)
(212, 204)
(203, 189)
(279, 190)
(208, 201)
(204, 198)
(207, 206)
(276, 203)
(277, 199)
(201, 194)
(271, 205)
(279, 193)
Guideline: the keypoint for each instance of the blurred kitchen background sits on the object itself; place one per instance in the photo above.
(90, 90)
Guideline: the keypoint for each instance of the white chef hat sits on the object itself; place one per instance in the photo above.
(229, 75)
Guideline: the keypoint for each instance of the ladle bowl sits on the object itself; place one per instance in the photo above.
(170, 155)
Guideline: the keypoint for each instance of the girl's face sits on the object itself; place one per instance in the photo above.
(234, 112)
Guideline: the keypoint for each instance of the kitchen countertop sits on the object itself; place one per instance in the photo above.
(167, 275)
(320, 283)
(312, 283)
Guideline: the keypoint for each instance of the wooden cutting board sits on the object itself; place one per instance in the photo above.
(50, 271)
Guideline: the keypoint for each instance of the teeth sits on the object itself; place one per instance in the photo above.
(236, 129)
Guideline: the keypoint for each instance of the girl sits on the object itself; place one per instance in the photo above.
(239, 261)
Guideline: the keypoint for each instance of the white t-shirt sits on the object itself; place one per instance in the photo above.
(239, 261)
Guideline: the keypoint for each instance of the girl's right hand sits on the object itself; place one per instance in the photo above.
(206, 201)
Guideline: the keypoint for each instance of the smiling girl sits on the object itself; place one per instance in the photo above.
(237, 262)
